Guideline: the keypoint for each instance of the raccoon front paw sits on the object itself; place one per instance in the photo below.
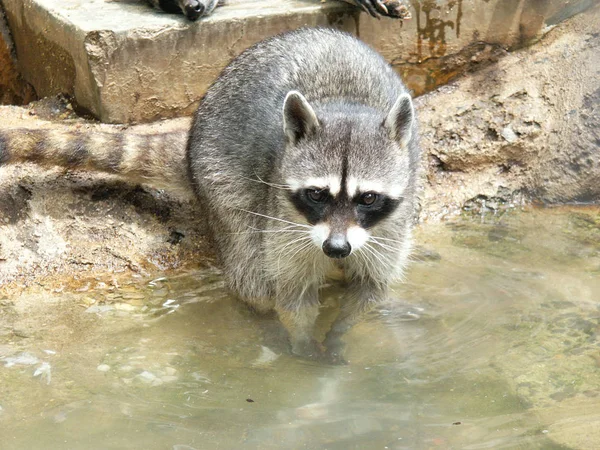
(389, 8)
(309, 349)
(315, 351)
(335, 357)
(334, 351)
(397, 9)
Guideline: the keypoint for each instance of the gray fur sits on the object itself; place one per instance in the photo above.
(350, 112)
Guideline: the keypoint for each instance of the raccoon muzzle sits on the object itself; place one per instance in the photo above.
(337, 246)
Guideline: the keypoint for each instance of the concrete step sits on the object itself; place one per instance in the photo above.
(124, 62)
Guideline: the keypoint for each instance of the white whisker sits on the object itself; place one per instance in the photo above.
(304, 246)
(377, 254)
(366, 257)
(285, 187)
(293, 242)
(271, 231)
(387, 247)
(273, 218)
(387, 239)
(301, 246)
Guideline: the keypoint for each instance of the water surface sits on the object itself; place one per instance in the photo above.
(492, 342)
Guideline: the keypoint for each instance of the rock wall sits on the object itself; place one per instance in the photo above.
(527, 126)
(13, 89)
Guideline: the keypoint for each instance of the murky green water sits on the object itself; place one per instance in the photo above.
(492, 342)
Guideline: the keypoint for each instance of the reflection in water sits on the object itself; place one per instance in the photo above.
(491, 343)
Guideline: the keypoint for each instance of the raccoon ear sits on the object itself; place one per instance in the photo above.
(299, 119)
(399, 122)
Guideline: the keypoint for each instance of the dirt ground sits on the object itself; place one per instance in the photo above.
(526, 128)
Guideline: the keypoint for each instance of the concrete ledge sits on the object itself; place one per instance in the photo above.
(125, 63)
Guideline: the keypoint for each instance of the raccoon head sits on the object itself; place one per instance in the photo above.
(348, 168)
(192, 9)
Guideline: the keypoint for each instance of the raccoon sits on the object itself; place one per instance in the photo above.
(304, 154)
(194, 9)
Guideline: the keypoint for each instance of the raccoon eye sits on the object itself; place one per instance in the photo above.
(317, 195)
(368, 198)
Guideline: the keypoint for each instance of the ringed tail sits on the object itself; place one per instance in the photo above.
(140, 154)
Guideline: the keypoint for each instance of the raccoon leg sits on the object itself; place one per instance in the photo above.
(300, 325)
(298, 311)
(261, 305)
(363, 297)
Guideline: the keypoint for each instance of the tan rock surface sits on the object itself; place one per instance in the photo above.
(527, 125)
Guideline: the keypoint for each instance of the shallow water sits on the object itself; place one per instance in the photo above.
(492, 342)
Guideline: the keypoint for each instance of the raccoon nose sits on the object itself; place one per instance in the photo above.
(336, 246)
(193, 9)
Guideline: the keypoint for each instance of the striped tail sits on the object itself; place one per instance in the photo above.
(140, 154)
